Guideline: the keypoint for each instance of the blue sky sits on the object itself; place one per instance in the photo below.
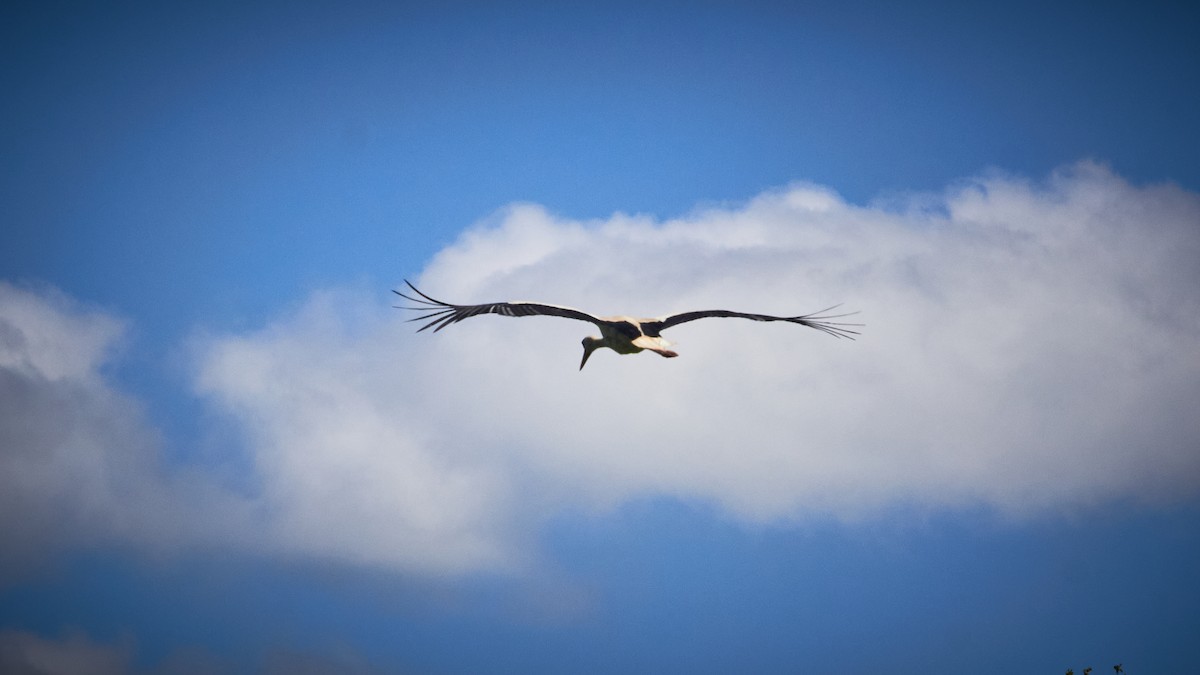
(223, 450)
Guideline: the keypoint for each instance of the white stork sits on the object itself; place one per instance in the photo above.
(622, 334)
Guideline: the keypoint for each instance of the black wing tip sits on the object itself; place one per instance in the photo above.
(422, 299)
(438, 313)
(822, 321)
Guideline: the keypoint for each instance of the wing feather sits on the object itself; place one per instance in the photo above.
(818, 320)
(440, 314)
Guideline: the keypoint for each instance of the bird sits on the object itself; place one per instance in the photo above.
(1118, 669)
(622, 334)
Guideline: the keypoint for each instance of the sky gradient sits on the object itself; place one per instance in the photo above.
(223, 450)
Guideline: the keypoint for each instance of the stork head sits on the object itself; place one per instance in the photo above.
(590, 344)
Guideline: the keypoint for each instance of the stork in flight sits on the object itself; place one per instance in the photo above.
(622, 334)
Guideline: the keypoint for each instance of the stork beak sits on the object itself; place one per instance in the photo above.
(589, 345)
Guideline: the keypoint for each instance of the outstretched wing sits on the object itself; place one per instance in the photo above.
(441, 314)
(819, 320)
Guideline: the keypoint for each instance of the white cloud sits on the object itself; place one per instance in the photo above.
(78, 464)
(349, 468)
(1032, 348)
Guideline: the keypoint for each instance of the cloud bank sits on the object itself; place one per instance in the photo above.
(1032, 348)
(78, 463)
